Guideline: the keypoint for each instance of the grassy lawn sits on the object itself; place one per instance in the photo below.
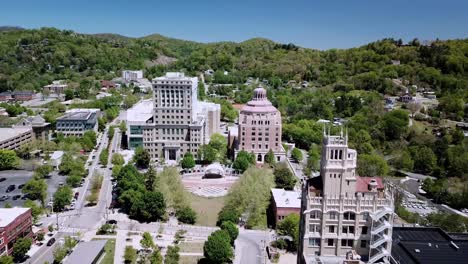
(189, 259)
(109, 251)
(207, 209)
(191, 247)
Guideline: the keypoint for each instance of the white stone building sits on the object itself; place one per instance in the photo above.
(130, 76)
(342, 211)
(174, 122)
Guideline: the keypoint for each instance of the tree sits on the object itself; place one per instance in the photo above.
(188, 162)
(156, 257)
(270, 158)
(283, 177)
(289, 226)
(217, 249)
(69, 94)
(413, 107)
(129, 101)
(232, 230)
(5, 259)
(395, 124)
(74, 180)
(151, 178)
(59, 254)
(146, 241)
(62, 198)
(448, 222)
(296, 155)
(201, 90)
(404, 161)
(117, 159)
(207, 153)
(243, 160)
(130, 255)
(155, 206)
(186, 215)
(8, 159)
(36, 210)
(172, 255)
(43, 171)
(424, 158)
(20, 248)
(219, 143)
(104, 157)
(142, 157)
(372, 165)
(36, 190)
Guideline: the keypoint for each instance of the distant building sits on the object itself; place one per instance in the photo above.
(260, 127)
(130, 76)
(343, 212)
(76, 122)
(40, 127)
(56, 158)
(179, 122)
(406, 97)
(285, 203)
(395, 62)
(57, 87)
(414, 245)
(15, 223)
(108, 84)
(13, 138)
(16, 96)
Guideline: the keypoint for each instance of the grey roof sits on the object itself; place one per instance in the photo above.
(428, 245)
(86, 252)
(76, 116)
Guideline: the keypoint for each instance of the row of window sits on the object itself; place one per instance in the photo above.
(173, 111)
(332, 229)
(315, 242)
(334, 215)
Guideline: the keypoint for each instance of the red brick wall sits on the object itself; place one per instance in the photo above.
(20, 227)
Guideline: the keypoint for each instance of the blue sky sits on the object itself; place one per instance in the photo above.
(313, 23)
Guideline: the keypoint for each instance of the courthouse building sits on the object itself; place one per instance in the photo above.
(174, 122)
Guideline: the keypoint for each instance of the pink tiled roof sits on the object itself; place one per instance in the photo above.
(362, 183)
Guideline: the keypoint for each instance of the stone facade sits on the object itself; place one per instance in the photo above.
(179, 123)
(342, 211)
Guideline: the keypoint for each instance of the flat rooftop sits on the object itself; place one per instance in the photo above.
(86, 252)
(286, 199)
(141, 111)
(7, 133)
(8, 215)
(76, 116)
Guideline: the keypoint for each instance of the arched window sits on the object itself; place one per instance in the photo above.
(259, 157)
(349, 216)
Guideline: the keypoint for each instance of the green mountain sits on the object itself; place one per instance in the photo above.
(30, 59)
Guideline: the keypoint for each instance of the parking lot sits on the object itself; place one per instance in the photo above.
(18, 177)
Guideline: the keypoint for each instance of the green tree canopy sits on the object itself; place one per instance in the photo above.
(217, 249)
(8, 159)
(188, 162)
(372, 165)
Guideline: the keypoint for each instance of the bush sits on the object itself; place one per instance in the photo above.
(217, 249)
(280, 244)
(296, 155)
(186, 215)
(130, 255)
(232, 230)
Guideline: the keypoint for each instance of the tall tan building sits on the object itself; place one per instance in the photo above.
(179, 122)
(260, 127)
(342, 211)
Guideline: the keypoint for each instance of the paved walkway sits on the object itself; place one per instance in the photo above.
(120, 246)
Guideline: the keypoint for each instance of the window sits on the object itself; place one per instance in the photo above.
(347, 243)
(314, 228)
(347, 230)
(365, 216)
(331, 229)
(364, 230)
(315, 215)
(363, 243)
(314, 242)
(333, 215)
(330, 242)
(349, 216)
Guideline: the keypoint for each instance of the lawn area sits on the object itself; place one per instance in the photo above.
(189, 259)
(207, 209)
(191, 247)
(109, 251)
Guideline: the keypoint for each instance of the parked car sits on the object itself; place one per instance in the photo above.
(112, 222)
(51, 242)
(2, 179)
(10, 188)
(77, 194)
(4, 198)
(16, 197)
(20, 186)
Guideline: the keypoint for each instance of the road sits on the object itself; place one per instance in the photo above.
(250, 247)
(84, 218)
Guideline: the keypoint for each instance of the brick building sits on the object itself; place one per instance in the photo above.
(284, 203)
(15, 223)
